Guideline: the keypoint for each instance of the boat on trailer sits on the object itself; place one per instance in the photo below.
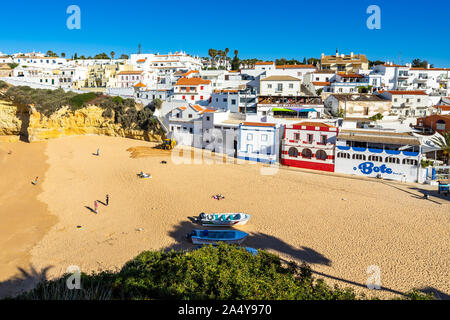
(223, 219)
(217, 236)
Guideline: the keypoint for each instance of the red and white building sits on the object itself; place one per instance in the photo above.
(309, 145)
(193, 90)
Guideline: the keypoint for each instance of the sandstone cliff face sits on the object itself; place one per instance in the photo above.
(31, 125)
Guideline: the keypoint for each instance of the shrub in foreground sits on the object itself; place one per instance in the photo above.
(223, 272)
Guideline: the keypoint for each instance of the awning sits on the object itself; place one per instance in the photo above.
(283, 109)
(303, 109)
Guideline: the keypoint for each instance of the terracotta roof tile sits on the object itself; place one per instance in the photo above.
(191, 82)
(296, 66)
(259, 124)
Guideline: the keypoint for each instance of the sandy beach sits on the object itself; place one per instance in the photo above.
(338, 224)
(24, 219)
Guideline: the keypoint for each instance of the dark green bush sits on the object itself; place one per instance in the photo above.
(80, 100)
(3, 85)
(223, 272)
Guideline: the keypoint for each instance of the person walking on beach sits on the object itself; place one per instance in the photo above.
(96, 207)
(36, 181)
(98, 152)
(107, 199)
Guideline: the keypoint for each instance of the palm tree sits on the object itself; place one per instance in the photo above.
(213, 54)
(444, 143)
(226, 54)
(220, 54)
(112, 55)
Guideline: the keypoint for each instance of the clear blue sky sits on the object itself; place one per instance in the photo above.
(258, 29)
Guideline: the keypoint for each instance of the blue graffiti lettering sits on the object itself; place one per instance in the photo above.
(368, 167)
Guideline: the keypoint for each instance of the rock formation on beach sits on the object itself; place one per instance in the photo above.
(26, 122)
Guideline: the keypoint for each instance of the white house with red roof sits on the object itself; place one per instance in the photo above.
(294, 70)
(309, 145)
(127, 79)
(193, 90)
(264, 66)
(259, 141)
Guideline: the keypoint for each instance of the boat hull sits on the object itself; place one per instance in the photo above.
(224, 222)
(197, 240)
(215, 237)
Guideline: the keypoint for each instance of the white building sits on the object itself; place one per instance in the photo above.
(408, 103)
(5, 59)
(387, 155)
(193, 90)
(259, 141)
(234, 100)
(280, 86)
(127, 79)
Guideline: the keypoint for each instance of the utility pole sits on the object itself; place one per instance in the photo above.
(139, 50)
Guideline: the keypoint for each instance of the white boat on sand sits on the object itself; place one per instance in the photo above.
(223, 219)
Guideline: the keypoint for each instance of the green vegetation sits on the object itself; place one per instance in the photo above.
(50, 53)
(377, 117)
(375, 63)
(236, 63)
(364, 89)
(156, 104)
(426, 163)
(283, 61)
(444, 143)
(3, 85)
(122, 111)
(417, 63)
(101, 56)
(13, 65)
(223, 272)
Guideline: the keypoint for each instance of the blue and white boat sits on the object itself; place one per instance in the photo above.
(217, 236)
(223, 219)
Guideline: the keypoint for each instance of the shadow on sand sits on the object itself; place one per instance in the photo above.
(268, 242)
(431, 193)
(25, 280)
(255, 240)
(437, 293)
(90, 209)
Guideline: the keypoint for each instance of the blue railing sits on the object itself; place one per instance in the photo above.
(359, 149)
(343, 148)
(376, 150)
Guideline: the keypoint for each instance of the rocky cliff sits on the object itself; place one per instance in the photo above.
(26, 123)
